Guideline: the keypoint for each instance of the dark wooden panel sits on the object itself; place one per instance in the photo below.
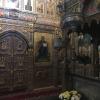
(43, 76)
(19, 68)
(5, 62)
(13, 68)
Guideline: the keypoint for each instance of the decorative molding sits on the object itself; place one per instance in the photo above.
(17, 15)
(16, 25)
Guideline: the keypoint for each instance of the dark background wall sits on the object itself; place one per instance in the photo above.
(90, 88)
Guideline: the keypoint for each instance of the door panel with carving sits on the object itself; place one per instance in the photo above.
(5, 61)
(20, 69)
(13, 69)
(5, 45)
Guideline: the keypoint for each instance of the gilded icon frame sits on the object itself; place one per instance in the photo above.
(49, 39)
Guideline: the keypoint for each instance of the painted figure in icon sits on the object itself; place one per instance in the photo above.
(42, 49)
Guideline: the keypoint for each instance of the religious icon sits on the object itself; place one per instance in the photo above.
(50, 7)
(42, 50)
(85, 48)
(28, 5)
(40, 6)
(11, 3)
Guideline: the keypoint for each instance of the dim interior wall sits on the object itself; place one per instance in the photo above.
(90, 88)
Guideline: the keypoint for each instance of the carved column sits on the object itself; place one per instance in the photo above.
(56, 67)
(71, 22)
(57, 47)
(65, 70)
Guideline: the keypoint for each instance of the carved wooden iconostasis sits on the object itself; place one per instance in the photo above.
(43, 69)
(25, 52)
(43, 48)
(16, 63)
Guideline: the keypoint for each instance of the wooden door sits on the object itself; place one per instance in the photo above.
(5, 62)
(13, 68)
(19, 65)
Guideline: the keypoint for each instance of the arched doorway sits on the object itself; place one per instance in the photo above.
(13, 64)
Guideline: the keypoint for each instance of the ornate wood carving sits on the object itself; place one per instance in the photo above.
(13, 66)
(16, 25)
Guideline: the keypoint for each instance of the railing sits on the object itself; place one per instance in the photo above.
(89, 70)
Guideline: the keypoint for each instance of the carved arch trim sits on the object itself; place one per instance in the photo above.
(16, 33)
